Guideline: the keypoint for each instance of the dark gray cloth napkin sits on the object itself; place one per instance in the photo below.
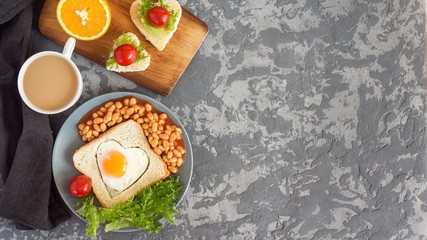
(28, 197)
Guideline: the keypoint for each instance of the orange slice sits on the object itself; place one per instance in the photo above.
(84, 19)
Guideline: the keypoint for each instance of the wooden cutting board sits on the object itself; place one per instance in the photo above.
(166, 66)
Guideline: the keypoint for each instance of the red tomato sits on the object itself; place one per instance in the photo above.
(158, 16)
(80, 186)
(125, 54)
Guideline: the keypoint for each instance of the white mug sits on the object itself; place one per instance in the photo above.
(66, 55)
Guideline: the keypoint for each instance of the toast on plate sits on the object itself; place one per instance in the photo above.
(126, 139)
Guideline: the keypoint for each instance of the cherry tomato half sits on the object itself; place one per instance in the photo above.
(125, 54)
(158, 16)
(80, 186)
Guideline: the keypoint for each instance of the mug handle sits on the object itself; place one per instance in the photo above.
(69, 47)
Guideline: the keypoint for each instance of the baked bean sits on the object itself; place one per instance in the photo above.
(108, 116)
(168, 128)
(177, 153)
(172, 137)
(146, 132)
(154, 126)
(155, 135)
(94, 115)
(126, 116)
(98, 120)
(179, 162)
(170, 154)
(150, 116)
(129, 111)
(119, 120)
(111, 108)
(96, 127)
(157, 150)
(165, 158)
(89, 122)
(161, 121)
(81, 126)
(172, 169)
(103, 127)
(180, 149)
(118, 105)
(115, 116)
(163, 116)
(155, 117)
(103, 109)
(84, 138)
(145, 126)
(140, 120)
(160, 128)
(173, 159)
(132, 101)
(173, 164)
(135, 116)
(161, 148)
(95, 133)
(136, 107)
(164, 136)
(123, 110)
(100, 114)
(154, 142)
(108, 104)
(88, 134)
(148, 107)
(111, 123)
(85, 130)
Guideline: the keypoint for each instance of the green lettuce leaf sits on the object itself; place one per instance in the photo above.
(144, 211)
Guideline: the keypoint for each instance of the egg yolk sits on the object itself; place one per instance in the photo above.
(114, 164)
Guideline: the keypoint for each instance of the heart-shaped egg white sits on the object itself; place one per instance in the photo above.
(136, 164)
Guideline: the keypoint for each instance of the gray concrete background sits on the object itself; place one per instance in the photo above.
(307, 118)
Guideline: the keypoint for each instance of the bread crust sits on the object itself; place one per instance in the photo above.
(85, 161)
(158, 42)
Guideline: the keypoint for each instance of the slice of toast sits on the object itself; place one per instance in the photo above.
(138, 65)
(161, 39)
(129, 134)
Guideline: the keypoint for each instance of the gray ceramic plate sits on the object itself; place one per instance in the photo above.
(68, 141)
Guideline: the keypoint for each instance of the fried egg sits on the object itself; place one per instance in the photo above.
(120, 167)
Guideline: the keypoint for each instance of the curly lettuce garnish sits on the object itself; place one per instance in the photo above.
(144, 211)
(146, 5)
(124, 39)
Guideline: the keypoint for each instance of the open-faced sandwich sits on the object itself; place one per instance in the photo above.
(127, 55)
(157, 20)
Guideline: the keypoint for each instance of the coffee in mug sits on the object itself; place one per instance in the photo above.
(49, 82)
